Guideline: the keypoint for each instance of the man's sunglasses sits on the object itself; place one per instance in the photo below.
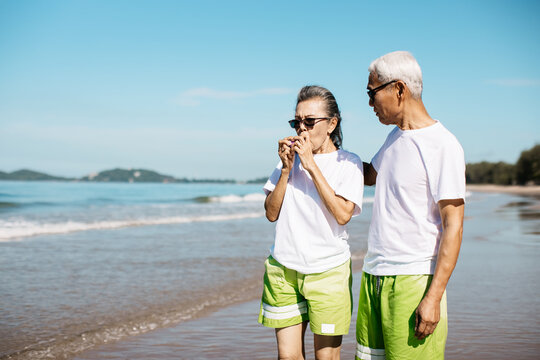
(371, 93)
(308, 122)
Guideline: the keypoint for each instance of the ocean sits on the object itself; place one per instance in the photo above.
(87, 264)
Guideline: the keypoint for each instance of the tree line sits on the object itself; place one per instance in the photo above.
(525, 171)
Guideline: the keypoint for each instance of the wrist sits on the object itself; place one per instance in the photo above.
(432, 296)
(310, 167)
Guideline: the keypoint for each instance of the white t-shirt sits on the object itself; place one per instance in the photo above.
(308, 238)
(415, 170)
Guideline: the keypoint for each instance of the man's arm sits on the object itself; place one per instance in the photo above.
(370, 175)
(428, 312)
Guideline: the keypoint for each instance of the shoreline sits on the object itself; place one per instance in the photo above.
(532, 190)
(474, 320)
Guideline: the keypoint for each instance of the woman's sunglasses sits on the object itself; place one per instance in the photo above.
(308, 122)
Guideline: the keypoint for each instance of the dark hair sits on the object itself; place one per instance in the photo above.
(332, 110)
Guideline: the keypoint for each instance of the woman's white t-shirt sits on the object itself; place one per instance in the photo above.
(415, 170)
(308, 238)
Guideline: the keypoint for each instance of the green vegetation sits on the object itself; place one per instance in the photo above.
(30, 175)
(526, 171)
(261, 180)
(114, 175)
(130, 175)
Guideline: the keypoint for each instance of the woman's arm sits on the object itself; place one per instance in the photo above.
(274, 200)
(341, 208)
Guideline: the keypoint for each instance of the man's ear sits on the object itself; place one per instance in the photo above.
(400, 86)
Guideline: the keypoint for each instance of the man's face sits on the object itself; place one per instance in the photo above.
(383, 101)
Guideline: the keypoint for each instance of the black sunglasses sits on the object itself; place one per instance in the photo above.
(308, 122)
(371, 93)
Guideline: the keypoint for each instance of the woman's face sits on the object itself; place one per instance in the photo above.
(320, 132)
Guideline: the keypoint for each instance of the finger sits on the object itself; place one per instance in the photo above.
(431, 329)
(421, 330)
(283, 142)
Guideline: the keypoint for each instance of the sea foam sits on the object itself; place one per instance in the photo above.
(11, 230)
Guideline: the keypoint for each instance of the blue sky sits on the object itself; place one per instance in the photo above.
(205, 88)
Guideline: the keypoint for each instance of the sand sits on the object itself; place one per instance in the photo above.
(533, 190)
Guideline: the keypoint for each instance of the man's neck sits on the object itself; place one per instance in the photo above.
(414, 116)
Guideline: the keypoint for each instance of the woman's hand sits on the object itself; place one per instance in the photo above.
(302, 146)
(286, 153)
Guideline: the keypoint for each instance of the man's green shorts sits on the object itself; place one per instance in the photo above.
(323, 299)
(386, 319)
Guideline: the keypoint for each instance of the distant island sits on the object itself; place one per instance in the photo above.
(526, 171)
(117, 175)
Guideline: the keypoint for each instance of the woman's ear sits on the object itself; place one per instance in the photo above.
(333, 125)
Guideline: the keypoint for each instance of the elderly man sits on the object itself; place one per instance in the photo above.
(417, 223)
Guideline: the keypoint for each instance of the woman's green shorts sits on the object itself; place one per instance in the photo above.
(324, 299)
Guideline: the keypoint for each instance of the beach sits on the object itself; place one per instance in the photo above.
(492, 300)
(533, 190)
(174, 272)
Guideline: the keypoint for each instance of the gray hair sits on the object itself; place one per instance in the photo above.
(332, 110)
(399, 65)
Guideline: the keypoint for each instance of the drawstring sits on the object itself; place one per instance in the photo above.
(378, 286)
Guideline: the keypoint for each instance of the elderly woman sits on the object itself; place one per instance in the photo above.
(312, 194)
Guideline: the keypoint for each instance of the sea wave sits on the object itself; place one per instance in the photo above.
(368, 200)
(256, 197)
(21, 229)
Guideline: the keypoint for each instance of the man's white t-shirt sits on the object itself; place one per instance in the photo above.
(415, 170)
(308, 238)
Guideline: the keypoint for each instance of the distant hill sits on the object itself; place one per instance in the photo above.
(30, 175)
(114, 175)
(261, 180)
(129, 175)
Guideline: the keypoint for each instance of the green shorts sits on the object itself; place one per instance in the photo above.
(323, 299)
(386, 319)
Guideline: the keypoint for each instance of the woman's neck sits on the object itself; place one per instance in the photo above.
(326, 147)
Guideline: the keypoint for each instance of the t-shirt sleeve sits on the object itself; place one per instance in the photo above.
(377, 159)
(446, 171)
(351, 186)
(273, 179)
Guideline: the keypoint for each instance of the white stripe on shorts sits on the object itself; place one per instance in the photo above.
(366, 353)
(284, 312)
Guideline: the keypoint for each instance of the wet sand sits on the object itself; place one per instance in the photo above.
(533, 190)
(493, 300)
(230, 333)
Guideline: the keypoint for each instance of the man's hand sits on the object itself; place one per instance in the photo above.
(428, 314)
